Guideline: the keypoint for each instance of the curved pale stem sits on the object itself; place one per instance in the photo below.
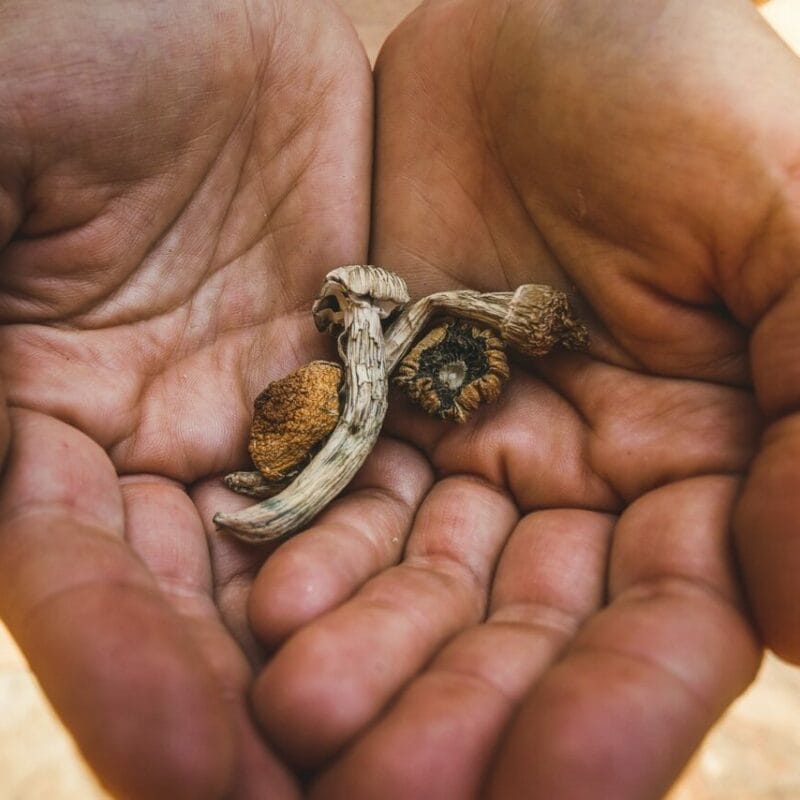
(333, 467)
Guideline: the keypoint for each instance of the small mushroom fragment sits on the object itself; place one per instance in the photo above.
(353, 303)
(291, 417)
(453, 369)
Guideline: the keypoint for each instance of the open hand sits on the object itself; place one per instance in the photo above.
(174, 180)
(561, 616)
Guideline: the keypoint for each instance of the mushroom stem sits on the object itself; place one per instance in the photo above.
(253, 484)
(534, 319)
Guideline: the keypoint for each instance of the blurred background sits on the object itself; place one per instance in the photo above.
(752, 754)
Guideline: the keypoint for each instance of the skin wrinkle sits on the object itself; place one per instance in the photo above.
(590, 468)
(684, 588)
(104, 584)
(150, 379)
(727, 369)
(188, 292)
(448, 581)
(543, 619)
(775, 400)
(505, 473)
(21, 514)
(491, 144)
(121, 288)
(732, 276)
(445, 565)
(596, 442)
(81, 317)
(281, 256)
(234, 192)
(501, 474)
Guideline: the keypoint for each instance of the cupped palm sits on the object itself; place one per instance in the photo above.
(175, 182)
(561, 616)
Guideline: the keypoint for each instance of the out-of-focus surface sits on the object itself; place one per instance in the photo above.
(752, 754)
(754, 751)
(784, 16)
(375, 19)
(38, 760)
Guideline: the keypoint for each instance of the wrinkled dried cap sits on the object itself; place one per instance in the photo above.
(357, 283)
(541, 319)
(292, 416)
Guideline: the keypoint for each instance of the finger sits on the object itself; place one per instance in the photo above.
(336, 675)
(234, 564)
(355, 538)
(768, 539)
(110, 654)
(550, 578)
(644, 680)
(766, 522)
(166, 531)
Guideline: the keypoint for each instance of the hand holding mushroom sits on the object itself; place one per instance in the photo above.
(152, 160)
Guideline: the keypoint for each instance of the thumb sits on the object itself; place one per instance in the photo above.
(767, 519)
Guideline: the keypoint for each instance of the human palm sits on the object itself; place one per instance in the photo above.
(561, 617)
(545, 595)
(174, 183)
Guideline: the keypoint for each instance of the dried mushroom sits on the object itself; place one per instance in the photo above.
(540, 319)
(457, 365)
(353, 303)
(534, 320)
(454, 369)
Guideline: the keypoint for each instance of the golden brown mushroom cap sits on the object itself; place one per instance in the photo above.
(292, 416)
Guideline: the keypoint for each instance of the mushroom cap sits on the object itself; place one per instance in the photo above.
(540, 318)
(455, 368)
(292, 416)
(383, 289)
